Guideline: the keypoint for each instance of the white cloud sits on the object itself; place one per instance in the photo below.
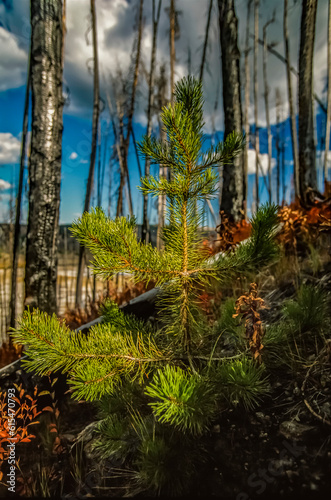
(263, 162)
(73, 156)
(9, 149)
(4, 185)
(13, 61)
(116, 21)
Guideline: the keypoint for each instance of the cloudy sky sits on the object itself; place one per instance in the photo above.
(116, 20)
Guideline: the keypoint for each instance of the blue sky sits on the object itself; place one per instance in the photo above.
(116, 19)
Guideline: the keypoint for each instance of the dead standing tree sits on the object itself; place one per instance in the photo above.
(266, 100)
(95, 121)
(307, 153)
(205, 44)
(291, 103)
(156, 18)
(233, 186)
(256, 136)
(16, 241)
(247, 99)
(124, 138)
(46, 150)
(161, 85)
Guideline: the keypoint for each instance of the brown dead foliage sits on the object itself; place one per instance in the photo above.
(248, 306)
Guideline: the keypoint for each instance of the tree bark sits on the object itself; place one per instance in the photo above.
(307, 154)
(256, 140)
(233, 187)
(46, 150)
(328, 103)
(291, 105)
(16, 242)
(145, 226)
(125, 140)
(205, 45)
(172, 15)
(266, 101)
(161, 205)
(247, 99)
(95, 121)
(278, 104)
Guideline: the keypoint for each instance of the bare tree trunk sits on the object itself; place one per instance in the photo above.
(125, 140)
(247, 99)
(291, 104)
(145, 236)
(172, 14)
(205, 45)
(278, 104)
(46, 150)
(266, 101)
(328, 103)
(233, 186)
(95, 121)
(257, 140)
(307, 154)
(16, 242)
(161, 84)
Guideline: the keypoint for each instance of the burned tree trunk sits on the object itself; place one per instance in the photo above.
(266, 101)
(95, 121)
(46, 151)
(205, 44)
(291, 104)
(145, 226)
(246, 109)
(233, 186)
(307, 154)
(17, 226)
(256, 113)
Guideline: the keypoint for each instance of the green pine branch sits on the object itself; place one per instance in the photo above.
(96, 363)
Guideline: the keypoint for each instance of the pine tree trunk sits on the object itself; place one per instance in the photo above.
(257, 139)
(247, 99)
(266, 101)
(17, 226)
(307, 154)
(46, 150)
(291, 105)
(233, 186)
(145, 226)
(328, 103)
(95, 121)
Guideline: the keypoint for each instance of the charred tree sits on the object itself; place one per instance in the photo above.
(247, 99)
(156, 18)
(17, 225)
(266, 101)
(95, 121)
(233, 174)
(46, 61)
(256, 135)
(205, 44)
(291, 104)
(307, 153)
(278, 148)
(124, 137)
